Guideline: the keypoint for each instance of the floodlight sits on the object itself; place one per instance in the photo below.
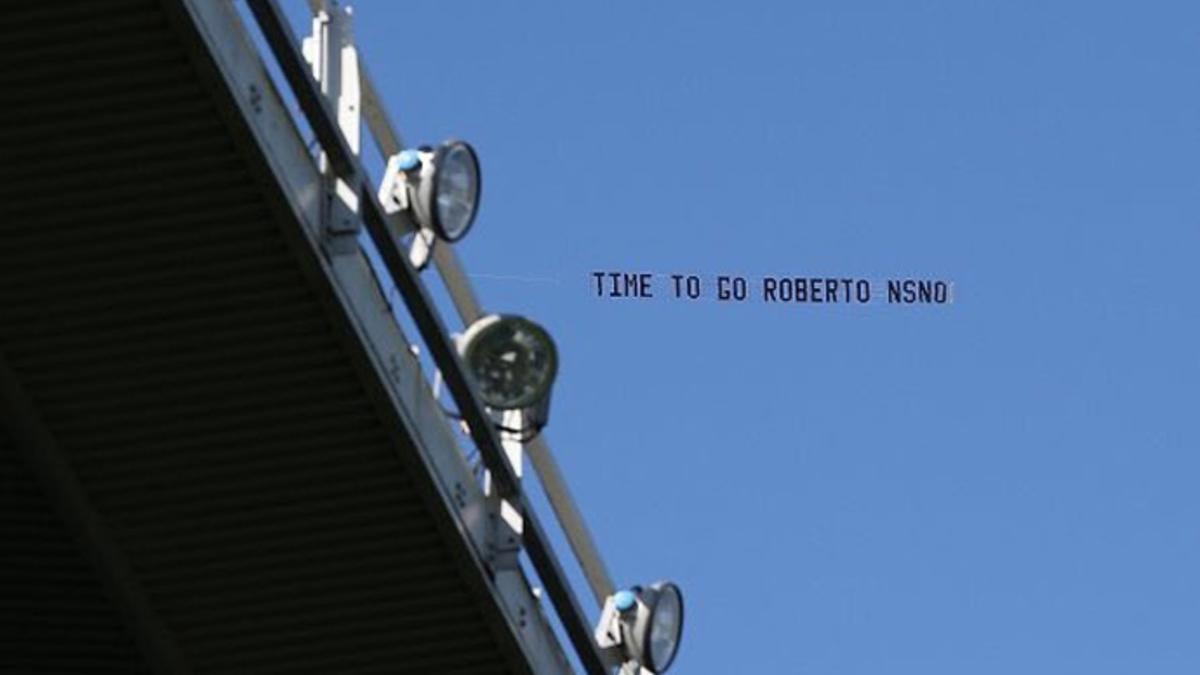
(514, 363)
(440, 188)
(642, 627)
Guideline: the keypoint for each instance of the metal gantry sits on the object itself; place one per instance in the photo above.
(336, 131)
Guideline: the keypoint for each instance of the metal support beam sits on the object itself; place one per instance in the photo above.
(571, 520)
(308, 92)
(578, 628)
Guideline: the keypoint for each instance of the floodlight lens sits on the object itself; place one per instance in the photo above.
(456, 189)
(666, 627)
(514, 362)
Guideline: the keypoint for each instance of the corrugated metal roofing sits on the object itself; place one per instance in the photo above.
(55, 614)
(199, 387)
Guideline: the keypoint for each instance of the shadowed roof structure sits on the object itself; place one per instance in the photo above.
(202, 466)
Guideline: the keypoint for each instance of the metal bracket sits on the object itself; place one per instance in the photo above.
(396, 196)
(331, 53)
(505, 534)
(341, 220)
(611, 639)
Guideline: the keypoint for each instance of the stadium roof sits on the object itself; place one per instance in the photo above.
(218, 452)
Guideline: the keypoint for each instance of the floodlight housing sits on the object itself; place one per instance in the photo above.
(514, 363)
(439, 187)
(643, 627)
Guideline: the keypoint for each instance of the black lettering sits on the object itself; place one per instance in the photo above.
(693, 287)
(924, 291)
(644, 286)
(910, 291)
(893, 291)
(677, 278)
(599, 283)
(731, 288)
(723, 288)
(769, 289)
(939, 292)
(862, 289)
(615, 290)
(630, 284)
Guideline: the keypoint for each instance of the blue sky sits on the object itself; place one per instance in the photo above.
(1005, 484)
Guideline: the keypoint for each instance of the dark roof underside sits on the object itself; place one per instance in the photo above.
(172, 338)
